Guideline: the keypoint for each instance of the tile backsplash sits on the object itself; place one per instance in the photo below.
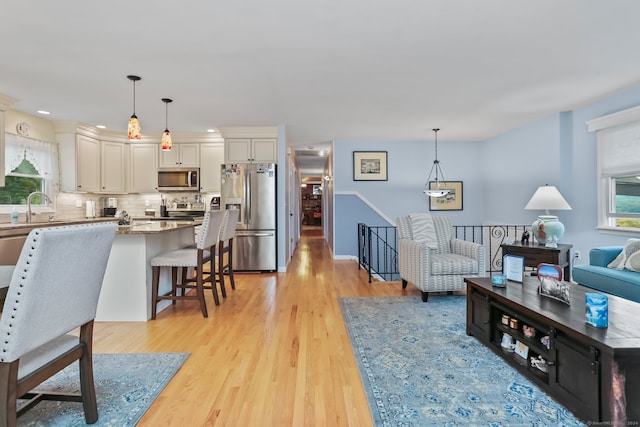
(71, 206)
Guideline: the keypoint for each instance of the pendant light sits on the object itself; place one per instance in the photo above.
(166, 136)
(134, 131)
(439, 189)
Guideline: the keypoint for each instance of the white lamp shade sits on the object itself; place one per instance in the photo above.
(546, 198)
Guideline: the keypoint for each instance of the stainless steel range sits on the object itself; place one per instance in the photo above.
(186, 212)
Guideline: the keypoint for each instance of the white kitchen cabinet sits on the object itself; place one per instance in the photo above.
(211, 157)
(87, 164)
(243, 150)
(112, 169)
(144, 168)
(180, 156)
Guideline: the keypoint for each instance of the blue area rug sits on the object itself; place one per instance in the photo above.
(126, 385)
(420, 368)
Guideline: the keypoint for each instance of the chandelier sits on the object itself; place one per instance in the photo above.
(438, 189)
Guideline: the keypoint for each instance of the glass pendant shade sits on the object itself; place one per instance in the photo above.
(166, 136)
(439, 189)
(134, 131)
(166, 140)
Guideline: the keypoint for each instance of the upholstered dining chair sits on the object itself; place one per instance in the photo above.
(432, 259)
(189, 257)
(54, 290)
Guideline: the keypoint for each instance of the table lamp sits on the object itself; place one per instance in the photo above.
(547, 229)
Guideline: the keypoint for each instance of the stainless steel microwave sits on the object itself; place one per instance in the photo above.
(179, 179)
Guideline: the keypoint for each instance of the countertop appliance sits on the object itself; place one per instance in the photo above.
(109, 206)
(251, 188)
(179, 179)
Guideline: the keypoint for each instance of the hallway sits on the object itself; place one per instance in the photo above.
(274, 353)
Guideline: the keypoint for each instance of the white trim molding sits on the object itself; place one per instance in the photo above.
(367, 202)
(614, 119)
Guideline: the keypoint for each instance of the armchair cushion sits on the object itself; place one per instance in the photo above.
(423, 230)
(453, 264)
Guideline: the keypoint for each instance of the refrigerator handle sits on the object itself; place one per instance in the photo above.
(247, 196)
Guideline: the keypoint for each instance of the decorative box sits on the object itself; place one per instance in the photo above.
(597, 309)
(499, 280)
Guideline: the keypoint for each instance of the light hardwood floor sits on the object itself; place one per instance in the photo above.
(274, 353)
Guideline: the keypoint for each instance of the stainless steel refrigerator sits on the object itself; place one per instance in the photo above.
(251, 188)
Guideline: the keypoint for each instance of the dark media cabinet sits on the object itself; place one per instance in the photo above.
(594, 372)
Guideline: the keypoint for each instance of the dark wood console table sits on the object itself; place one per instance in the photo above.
(535, 254)
(586, 365)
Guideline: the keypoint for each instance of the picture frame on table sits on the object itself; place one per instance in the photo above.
(513, 268)
(451, 201)
(370, 166)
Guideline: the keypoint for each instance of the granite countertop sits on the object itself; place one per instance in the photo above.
(138, 227)
(149, 227)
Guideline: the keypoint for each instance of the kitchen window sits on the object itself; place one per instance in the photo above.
(30, 165)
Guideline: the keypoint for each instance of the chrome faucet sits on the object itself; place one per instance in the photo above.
(29, 202)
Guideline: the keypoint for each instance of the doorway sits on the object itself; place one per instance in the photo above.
(311, 194)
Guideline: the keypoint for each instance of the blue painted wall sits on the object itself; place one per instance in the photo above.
(499, 176)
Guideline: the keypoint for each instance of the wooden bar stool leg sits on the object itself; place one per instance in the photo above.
(200, 291)
(155, 280)
(230, 265)
(174, 284)
(223, 289)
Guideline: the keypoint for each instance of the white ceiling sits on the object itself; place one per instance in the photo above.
(327, 70)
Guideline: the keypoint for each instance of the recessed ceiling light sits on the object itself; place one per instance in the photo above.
(101, 126)
(212, 130)
(43, 112)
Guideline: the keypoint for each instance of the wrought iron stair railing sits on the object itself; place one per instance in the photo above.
(377, 246)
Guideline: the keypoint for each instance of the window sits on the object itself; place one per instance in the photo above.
(624, 206)
(30, 165)
(619, 176)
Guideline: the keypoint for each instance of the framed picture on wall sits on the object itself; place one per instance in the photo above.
(369, 165)
(451, 201)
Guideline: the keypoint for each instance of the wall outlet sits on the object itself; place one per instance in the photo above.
(78, 203)
(576, 255)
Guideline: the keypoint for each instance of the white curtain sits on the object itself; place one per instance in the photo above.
(42, 155)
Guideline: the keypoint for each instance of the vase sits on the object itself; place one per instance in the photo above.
(547, 230)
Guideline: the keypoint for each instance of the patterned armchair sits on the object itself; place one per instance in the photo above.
(431, 259)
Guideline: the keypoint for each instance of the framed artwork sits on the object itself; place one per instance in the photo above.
(449, 202)
(369, 165)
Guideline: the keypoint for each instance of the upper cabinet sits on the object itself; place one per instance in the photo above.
(144, 168)
(87, 164)
(112, 167)
(243, 150)
(180, 156)
(91, 165)
(211, 157)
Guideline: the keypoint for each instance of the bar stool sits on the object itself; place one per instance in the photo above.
(189, 257)
(225, 246)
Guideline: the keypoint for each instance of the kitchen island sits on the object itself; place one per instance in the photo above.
(126, 289)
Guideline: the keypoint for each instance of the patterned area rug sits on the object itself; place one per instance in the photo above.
(126, 385)
(420, 368)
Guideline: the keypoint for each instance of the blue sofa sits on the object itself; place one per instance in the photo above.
(596, 275)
